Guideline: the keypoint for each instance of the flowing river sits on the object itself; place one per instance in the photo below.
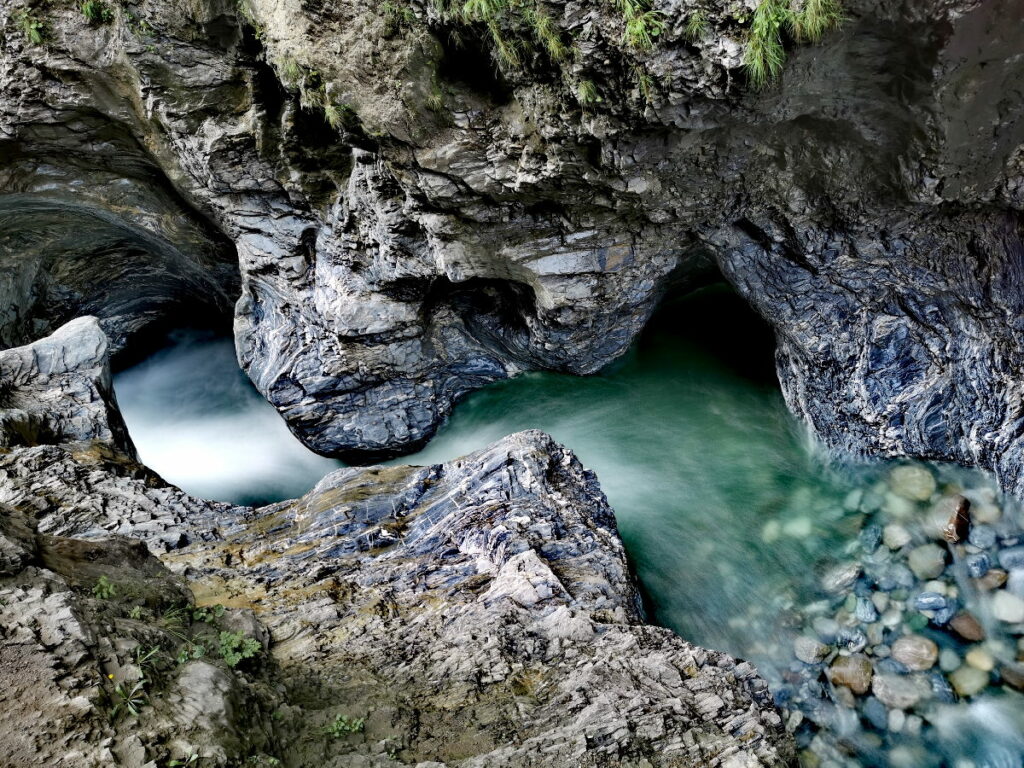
(744, 536)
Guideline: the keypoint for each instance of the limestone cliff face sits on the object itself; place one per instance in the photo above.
(413, 219)
(477, 613)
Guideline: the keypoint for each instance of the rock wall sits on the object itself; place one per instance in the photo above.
(475, 613)
(421, 205)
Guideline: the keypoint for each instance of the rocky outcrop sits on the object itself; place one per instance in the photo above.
(58, 390)
(475, 613)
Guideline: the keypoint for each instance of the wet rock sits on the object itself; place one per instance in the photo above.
(957, 526)
(980, 658)
(1013, 675)
(968, 627)
(865, 611)
(941, 689)
(853, 640)
(915, 652)
(927, 561)
(993, 579)
(854, 672)
(913, 482)
(1007, 607)
(895, 536)
(977, 565)
(948, 660)
(876, 713)
(896, 691)
(516, 539)
(810, 651)
(968, 681)
(58, 390)
(841, 577)
(982, 536)
(930, 601)
(870, 537)
(1012, 558)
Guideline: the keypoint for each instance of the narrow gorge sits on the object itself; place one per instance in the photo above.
(507, 383)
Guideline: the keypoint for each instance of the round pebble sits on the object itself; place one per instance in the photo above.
(798, 528)
(771, 531)
(928, 561)
(895, 536)
(1007, 607)
(948, 660)
(896, 691)
(853, 672)
(912, 481)
(809, 650)
(986, 513)
(982, 536)
(980, 658)
(915, 652)
(896, 719)
(968, 680)
(968, 627)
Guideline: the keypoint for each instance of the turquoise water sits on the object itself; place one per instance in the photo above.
(729, 512)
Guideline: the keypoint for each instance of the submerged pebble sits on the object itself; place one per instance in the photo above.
(915, 652)
(913, 482)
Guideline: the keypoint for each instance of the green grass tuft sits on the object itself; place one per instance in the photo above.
(764, 55)
(815, 19)
(696, 25)
(587, 93)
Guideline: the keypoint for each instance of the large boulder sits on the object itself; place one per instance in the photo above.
(58, 390)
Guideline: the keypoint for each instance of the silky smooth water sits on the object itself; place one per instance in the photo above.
(729, 513)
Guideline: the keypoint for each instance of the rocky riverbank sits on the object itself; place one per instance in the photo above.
(475, 613)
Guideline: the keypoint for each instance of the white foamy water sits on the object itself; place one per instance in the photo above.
(196, 419)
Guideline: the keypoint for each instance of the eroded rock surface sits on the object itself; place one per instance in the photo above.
(413, 220)
(59, 390)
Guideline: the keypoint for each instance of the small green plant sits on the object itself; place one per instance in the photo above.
(396, 17)
(129, 699)
(236, 647)
(208, 613)
(343, 725)
(587, 93)
(191, 759)
(643, 23)
(135, 612)
(31, 26)
(696, 25)
(97, 12)
(190, 651)
(291, 70)
(138, 25)
(333, 116)
(104, 589)
(644, 83)
(547, 32)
